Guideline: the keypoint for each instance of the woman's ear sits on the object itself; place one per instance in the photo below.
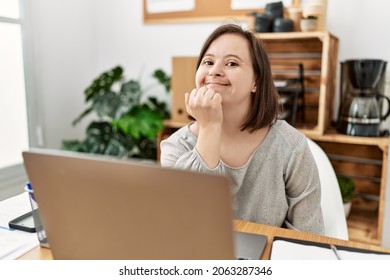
(254, 88)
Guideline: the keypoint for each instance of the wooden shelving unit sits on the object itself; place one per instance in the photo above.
(317, 52)
(365, 160)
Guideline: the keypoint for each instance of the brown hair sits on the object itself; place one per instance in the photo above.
(265, 101)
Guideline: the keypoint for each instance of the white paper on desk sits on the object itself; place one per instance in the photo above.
(14, 243)
(285, 250)
(349, 255)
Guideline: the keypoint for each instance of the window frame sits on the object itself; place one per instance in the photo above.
(14, 177)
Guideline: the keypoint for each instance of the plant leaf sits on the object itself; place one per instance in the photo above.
(161, 107)
(98, 135)
(163, 79)
(130, 93)
(107, 104)
(147, 148)
(118, 146)
(347, 188)
(140, 122)
(82, 115)
(73, 145)
(103, 83)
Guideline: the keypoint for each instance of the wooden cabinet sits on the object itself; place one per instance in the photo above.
(364, 159)
(317, 52)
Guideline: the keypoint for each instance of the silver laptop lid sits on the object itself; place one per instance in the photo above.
(95, 207)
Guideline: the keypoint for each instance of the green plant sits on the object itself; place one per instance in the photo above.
(347, 188)
(127, 122)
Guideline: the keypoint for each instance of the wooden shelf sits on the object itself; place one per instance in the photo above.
(333, 136)
(317, 53)
(362, 222)
(293, 35)
(364, 160)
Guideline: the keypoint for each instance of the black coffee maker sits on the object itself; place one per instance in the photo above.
(361, 88)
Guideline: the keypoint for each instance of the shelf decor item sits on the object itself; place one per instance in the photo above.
(318, 9)
(347, 188)
(308, 24)
(127, 121)
(295, 14)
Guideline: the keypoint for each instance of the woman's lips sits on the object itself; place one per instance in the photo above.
(215, 85)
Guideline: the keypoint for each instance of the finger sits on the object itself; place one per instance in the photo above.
(186, 98)
(217, 98)
(209, 93)
(193, 94)
(201, 91)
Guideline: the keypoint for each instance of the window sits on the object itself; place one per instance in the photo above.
(13, 109)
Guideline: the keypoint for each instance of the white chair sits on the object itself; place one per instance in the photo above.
(331, 201)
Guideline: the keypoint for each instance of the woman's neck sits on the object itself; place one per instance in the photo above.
(233, 120)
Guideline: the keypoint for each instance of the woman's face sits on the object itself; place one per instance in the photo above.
(226, 67)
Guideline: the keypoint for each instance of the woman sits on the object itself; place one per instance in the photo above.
(236, 132)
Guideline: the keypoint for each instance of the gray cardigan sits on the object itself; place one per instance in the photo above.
(278, 186)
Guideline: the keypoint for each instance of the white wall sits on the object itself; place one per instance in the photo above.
(75, 40)
(362, 27)
(63, 63)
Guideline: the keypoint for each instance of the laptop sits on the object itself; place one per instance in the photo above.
(97, 207)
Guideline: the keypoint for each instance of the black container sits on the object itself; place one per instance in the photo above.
(283, 25)
(263, 23)
(274, 9)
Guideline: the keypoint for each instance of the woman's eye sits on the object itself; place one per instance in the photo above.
(207, 62)
(232, 64)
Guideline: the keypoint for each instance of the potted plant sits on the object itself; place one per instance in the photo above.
(308, 23)
(347, 189)
(127, 123)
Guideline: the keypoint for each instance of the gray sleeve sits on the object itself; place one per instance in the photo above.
(303, 191)
(178, 151)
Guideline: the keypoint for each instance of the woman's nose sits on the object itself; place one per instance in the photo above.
(216, 70)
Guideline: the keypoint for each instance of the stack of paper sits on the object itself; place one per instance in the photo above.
(14, 243)
(285, 249)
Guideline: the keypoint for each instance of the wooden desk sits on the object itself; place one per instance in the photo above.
(271, 232)
(40, 253)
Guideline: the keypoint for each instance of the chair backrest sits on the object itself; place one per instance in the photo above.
(331, 200)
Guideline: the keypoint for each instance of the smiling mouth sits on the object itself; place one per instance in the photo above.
(212, 85)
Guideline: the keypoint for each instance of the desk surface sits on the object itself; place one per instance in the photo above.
(41, 253)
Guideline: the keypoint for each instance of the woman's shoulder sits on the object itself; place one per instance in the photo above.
(287, 134)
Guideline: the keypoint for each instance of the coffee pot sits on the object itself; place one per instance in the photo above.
(362, 85)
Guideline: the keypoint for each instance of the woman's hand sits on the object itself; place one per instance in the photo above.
(204, 105)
